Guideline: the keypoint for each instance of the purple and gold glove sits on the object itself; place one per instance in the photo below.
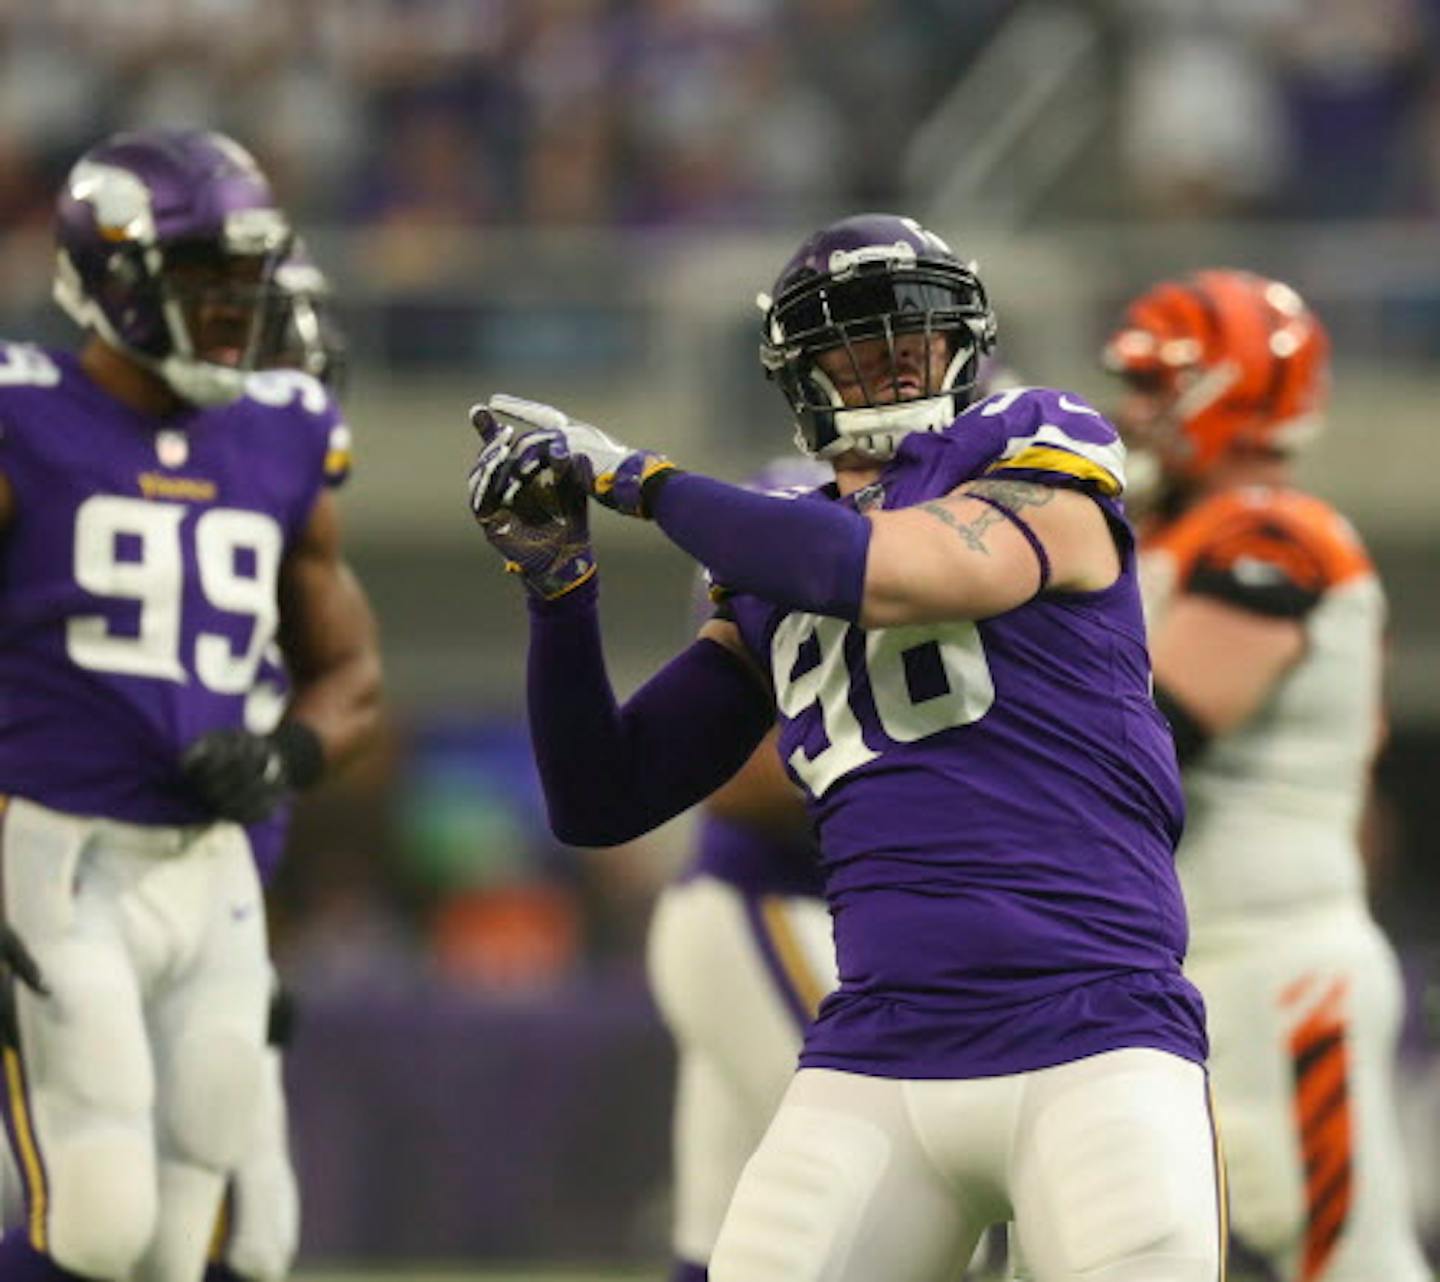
(533, 516)
(614, 474)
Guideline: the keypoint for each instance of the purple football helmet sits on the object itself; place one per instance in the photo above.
(873, 276)
(168, 243)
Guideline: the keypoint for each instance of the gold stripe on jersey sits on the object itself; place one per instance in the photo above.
(793, 961)
(1047, 458)
(29, 1155)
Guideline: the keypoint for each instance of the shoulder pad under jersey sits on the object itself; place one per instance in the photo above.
(1271, 551)
(294, 389)
(1052, 437)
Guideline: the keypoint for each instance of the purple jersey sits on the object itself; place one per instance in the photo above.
(139, 576)
(998, 802)
(756, 862)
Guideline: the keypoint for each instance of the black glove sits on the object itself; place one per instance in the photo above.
(244, 776)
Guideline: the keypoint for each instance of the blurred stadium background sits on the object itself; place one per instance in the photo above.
(578, 200)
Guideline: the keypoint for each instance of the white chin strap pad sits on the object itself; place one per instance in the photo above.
(877, 430)
(201, 383)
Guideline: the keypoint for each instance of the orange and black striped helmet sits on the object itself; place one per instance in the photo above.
(1241, 359)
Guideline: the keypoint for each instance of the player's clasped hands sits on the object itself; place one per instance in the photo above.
(527, 443)
(530, 487)
(531, 507)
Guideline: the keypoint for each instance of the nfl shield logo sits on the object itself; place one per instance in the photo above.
(172, 448)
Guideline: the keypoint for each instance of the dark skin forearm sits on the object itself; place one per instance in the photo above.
(330, 640)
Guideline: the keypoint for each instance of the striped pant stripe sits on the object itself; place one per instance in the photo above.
(1222, 1185)
(1320, 1059)
(17, 1111)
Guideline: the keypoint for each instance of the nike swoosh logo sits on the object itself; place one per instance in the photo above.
(1075, 407)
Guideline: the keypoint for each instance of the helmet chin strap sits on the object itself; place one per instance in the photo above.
(200, 382)
(877, 430)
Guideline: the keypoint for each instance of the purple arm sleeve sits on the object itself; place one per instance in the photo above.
(613, 773)
(807, 556)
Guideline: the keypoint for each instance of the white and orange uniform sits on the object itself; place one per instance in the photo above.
(1302, 988)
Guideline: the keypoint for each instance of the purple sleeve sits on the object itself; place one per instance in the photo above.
(791, 552)
(613, 773)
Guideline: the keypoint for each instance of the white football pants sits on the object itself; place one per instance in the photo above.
(1304, 1013)
(736, 978)
(1108, 1166)
(135, 1083)
(261, 1217)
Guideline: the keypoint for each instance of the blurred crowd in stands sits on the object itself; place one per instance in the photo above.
(392, 113)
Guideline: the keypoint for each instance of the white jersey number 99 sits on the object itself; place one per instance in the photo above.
(131, 549)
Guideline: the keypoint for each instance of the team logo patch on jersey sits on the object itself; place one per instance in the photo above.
(172, 448)
(194, 489)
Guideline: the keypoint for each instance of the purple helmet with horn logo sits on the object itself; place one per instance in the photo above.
(168, 241)
(873, 277)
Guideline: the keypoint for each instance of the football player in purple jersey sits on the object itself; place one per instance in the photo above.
(950, 636)
(167, 515)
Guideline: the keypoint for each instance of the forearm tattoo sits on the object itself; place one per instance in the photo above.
(1012, 495)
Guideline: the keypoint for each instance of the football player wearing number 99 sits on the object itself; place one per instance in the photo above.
(166, 515)
(951, 637)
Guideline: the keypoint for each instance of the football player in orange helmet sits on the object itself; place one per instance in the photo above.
(1222, 367)
(1265, 617)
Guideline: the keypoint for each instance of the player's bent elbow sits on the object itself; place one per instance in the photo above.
(595, 831)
